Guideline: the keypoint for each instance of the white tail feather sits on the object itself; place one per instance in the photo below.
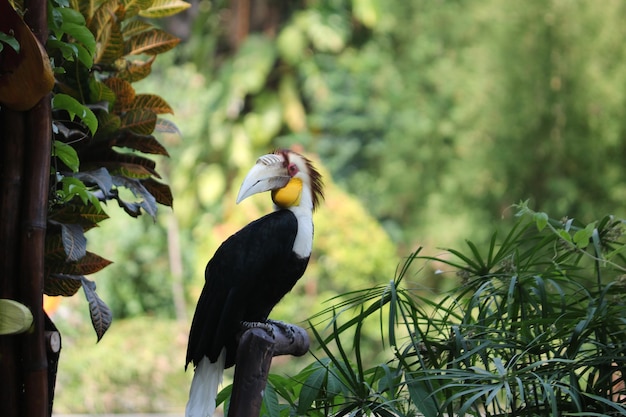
(206, 379)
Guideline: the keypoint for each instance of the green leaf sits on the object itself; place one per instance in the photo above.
(84, 56)
(9, 40)
(68, 50)
(607, 402)
(311, 388)
(70, 16)
(75, 108)
(152, 42)
(151, 102)
(81, 34)
(88, 216)
(164, 8)
(73, 187)
(139, 121)
(564, 235)
(224, 395)
(133, 7)
(581, 237)
(108, 123)
(136, 27)
(618, 251)
(55, 18)
(541, 220)
(136, 70)
(284, 386)
(110, 45)
(66, 154)
(270, 406)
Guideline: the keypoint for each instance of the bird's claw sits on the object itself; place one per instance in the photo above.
(287, 329)
(267, 326)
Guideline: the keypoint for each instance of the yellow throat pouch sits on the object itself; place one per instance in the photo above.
(289, 195)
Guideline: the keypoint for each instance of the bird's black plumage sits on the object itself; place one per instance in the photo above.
(249, 273)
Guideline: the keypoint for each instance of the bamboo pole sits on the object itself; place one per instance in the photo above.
(37, 145)
(35, 202)
(11, 167)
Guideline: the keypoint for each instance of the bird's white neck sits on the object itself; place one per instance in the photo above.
(304, 239)
(304, 215)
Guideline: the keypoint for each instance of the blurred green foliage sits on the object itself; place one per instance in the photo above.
(130, 370)
(428, 112)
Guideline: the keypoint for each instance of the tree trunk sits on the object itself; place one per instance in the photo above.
(176, 268)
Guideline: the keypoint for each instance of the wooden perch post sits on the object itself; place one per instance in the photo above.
(256, 348)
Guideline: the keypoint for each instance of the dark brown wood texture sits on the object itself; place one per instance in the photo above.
(24, 174)
(256, 348)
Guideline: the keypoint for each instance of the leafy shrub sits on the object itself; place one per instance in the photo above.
(103, 131)
(536, 327)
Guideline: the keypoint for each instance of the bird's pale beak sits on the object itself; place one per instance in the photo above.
(267, 174)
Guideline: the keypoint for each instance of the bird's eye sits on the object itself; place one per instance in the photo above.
(292, 169)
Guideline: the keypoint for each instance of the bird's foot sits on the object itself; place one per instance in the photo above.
(287, 329)
(265, 325)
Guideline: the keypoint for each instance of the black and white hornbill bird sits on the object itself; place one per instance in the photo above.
(252, 270)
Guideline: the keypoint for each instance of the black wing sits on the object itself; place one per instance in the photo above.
(234, 277)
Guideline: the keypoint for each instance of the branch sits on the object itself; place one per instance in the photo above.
(256, 348)
(289, 339)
